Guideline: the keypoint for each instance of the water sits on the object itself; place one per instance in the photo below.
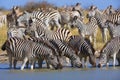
(66, 73)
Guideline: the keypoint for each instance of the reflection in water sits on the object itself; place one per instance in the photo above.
(66, 73)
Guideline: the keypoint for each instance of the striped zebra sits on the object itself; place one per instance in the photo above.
(100, 17)
(38, 31)
(11, 20)
(45, 16)
(114, 30)
(110, 49)
(109, 10)
(13, 29)
(25, 50)
(114, 17)
(68, 52)
(54, 48)
(67, 16)
(89, 29)
(83, 48)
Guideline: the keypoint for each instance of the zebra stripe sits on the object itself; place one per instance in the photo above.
(101, 18)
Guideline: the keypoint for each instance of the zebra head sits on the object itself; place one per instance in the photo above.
(76, 62)
(53, 60)
(31, 31)
(103, 59)
(11, 20)
(92, 12)
(76, 21)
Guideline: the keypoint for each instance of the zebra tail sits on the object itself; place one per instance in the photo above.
(3, 47)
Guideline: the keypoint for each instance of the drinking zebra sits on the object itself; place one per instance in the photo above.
(110, 49)
(83, 48)
(25, 50)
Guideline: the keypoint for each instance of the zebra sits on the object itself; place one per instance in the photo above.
(38, 31)
(11, 20)
(100, 17)
(83, 48)
(62, 49)
(109, 10)
(89, 29)
(114, 17)
(13, 29)
(114, 30)
(67, 16)
(46, 42)
(110, 49)
(25, 50)
(67, 51)
(45, 16)
(16, 32)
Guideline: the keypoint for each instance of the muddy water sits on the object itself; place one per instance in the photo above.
(66, 73)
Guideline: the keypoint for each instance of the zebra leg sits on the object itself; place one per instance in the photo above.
(90, 38)
(67, 61)
(48, 65)
(27, 64)
(95, 39)
(104, 34)
(107, 62)
(85, 61)
(40, 63)
(118, 59)
(24, 62)
(10, 61)
(32, 65)
(15, 63)
(114, 58)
